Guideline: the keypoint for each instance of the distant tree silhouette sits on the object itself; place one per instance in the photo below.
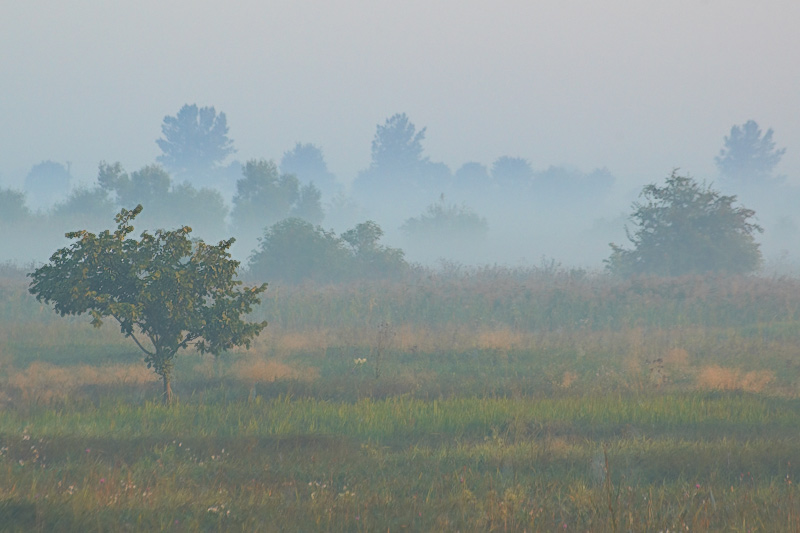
(472, 175)
(85, 206)
(445, 222)
(195, 142)
(295, 250)
(507, 170)
(307, 162)
(748, 156)
(397, 147)
(397, 167)
(47, 183)
(168, 204)
(13, 208)
(264, 196)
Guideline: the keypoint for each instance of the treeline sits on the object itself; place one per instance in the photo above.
(292, 219)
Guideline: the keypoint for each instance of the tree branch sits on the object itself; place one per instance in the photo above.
(131, 335)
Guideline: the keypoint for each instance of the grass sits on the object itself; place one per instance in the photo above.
(505, 401)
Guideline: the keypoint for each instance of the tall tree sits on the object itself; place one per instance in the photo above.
(398, 170)
(166, 291)
(307, 162)
(397, 147)
(748, 156)
(195, 142)
(687, 228)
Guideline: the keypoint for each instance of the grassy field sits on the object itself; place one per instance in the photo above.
(489, 400)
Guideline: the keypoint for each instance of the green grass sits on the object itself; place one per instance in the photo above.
(505, 402)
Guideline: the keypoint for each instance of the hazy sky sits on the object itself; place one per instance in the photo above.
(639, 86)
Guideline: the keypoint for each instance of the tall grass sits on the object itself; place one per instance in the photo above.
(506, 400)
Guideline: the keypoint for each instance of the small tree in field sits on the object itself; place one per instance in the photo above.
(165, 291)
(687, 228)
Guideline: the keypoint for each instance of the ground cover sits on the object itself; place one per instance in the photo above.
(503, 401)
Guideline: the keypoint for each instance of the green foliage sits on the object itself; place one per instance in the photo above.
(162, 289)
(294, 250)
(542, 417)
(685, 228)
(372, 259)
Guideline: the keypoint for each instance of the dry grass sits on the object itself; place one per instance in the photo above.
(255, 369)
(721, 378)
(45, 382)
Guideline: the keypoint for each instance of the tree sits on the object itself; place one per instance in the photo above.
(563, 184)
(265, 196)
(195, 141)
(148, 186)
(397, 147)
(13, 209)
(685, 228)
(442, 222)
(84, 206)
(507, 170)
(373, 260)
(165, 291)
(748, 156)
(295, 250)
(472, 175)
(168, 204)
(309, 204)
(398, 169)
(307, 162)
(47, 183)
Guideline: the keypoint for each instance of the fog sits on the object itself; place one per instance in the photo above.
(598, 99)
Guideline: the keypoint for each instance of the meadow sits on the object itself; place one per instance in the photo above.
(490, 399)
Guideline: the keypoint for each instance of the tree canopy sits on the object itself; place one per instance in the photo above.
(47, 183)
(307, 162)
(294, 251)
(265, 196)
(166, 291)
(195, 141)
(168, 204)
(397, 146)
(514, 171)
(748, 156)
(687, 228)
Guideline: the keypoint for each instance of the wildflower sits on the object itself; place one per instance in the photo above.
(102, 480)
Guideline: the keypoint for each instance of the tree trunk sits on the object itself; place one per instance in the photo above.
(167, 390)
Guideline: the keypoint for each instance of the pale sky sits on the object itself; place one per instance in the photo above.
(639, 87)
